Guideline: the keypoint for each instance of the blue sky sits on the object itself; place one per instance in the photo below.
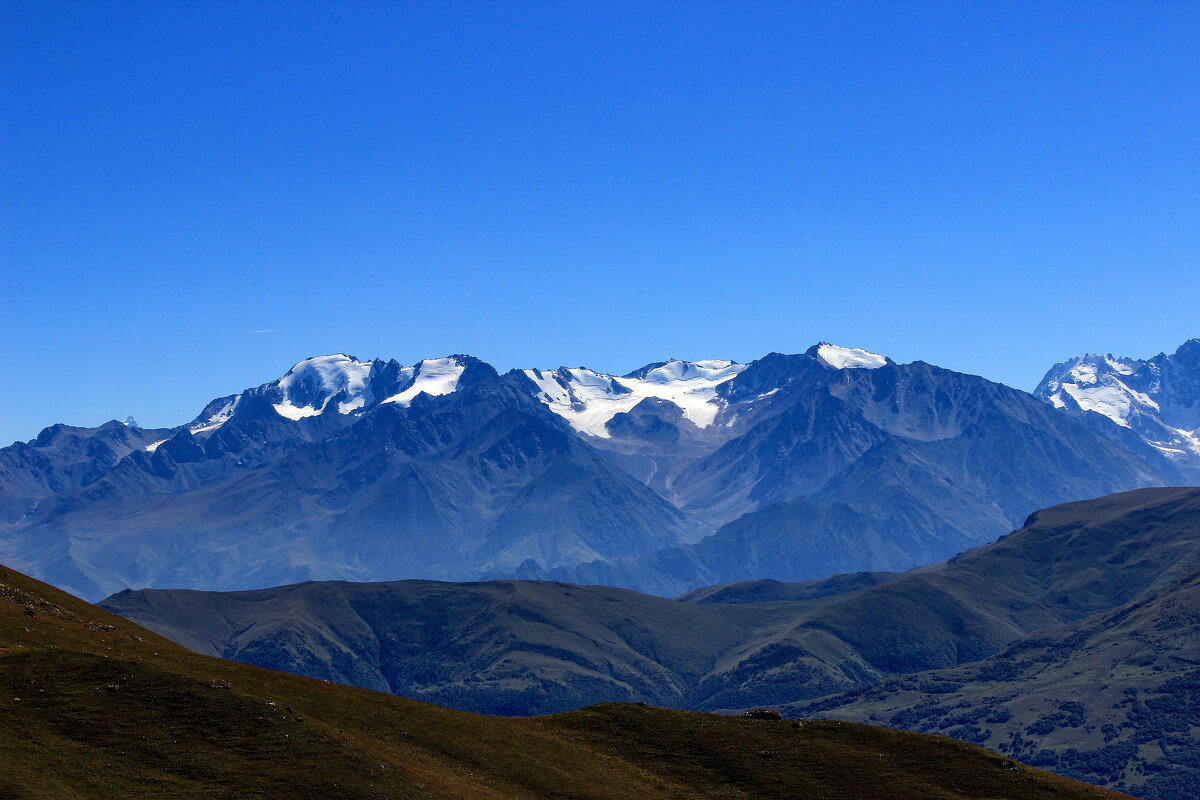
(195, 196)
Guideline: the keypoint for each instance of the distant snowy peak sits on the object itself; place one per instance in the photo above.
(674, 370)
(847, 357)
(1157, 399)
(339, 382)
(588, 400)
(342, 385)
(1095, 382)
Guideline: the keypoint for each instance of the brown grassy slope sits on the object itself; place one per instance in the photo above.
(94, 706)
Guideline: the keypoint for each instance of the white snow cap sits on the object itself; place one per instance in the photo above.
(309, 388)
(588, 399)
(433, 376)
(848, 357)
(328, 375)
(1094, 382)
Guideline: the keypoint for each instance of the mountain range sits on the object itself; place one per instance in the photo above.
(1072, 643)
(675, 476)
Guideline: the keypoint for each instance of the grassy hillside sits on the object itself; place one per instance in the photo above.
(498, 647)
(94, 706)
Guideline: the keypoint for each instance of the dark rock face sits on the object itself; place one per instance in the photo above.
(652, 420)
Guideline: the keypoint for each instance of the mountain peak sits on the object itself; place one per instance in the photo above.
(831, 355)
(1156, 400)
(310, 385)
(1188, 354)
(676, 370)
(431, 376)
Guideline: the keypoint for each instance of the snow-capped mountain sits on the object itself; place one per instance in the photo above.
(671, 476)
(586, 399)
(1154, 401)
(343, 385)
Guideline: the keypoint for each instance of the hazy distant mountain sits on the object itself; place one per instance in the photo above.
(676, 475)
(61, 461)
(1150, 405)
(481, 477)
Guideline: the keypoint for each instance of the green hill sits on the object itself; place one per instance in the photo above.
(94, 706)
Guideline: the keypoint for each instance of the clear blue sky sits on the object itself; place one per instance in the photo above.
(193, 196)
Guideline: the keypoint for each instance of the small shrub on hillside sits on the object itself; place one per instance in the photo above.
(1000, 715)
(1046, 723)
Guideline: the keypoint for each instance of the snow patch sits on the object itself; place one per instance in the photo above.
(433, 376)
(1110, 398)
(294, 412)
(849, 357)
(588, 399)
(216, 420)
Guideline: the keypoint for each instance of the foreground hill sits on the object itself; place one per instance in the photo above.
(94, 706)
